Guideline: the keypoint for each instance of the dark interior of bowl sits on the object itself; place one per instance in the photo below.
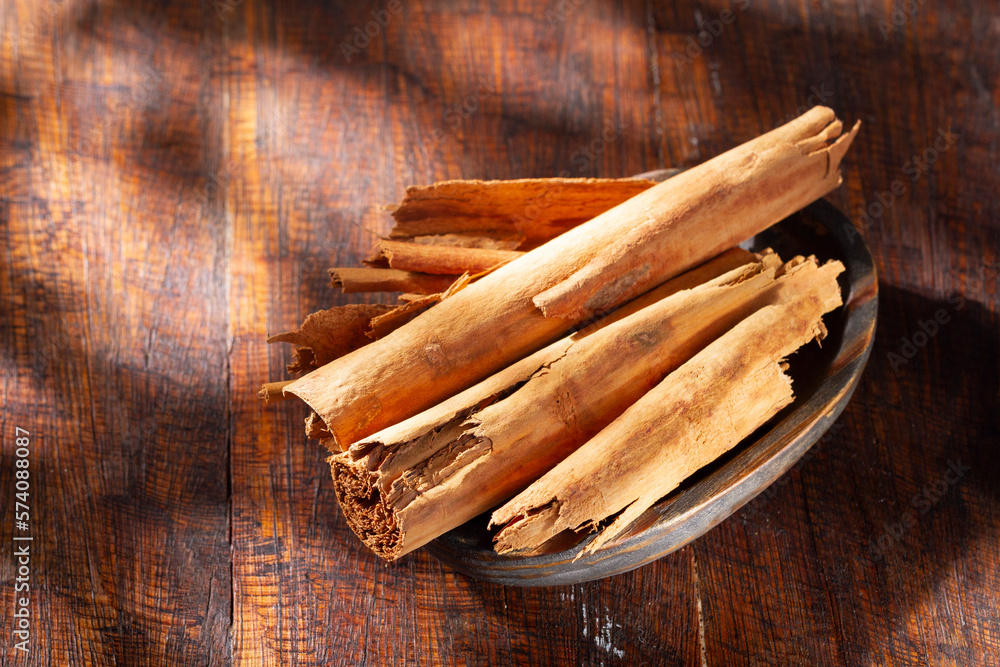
(823, 378)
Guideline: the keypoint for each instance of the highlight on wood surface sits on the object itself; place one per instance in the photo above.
(588, 270)
(693, 416)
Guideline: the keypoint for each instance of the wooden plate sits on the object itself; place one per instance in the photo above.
(823, 378)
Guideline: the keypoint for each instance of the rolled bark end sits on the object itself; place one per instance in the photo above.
(365, 509)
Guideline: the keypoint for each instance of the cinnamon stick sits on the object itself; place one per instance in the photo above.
(328, 334)
(453, 208)
(437, 259)
(465, 240)
(591, 268)
(352, 280)
(414, 481)
(272, 391)
(697, 413)
(525, 212)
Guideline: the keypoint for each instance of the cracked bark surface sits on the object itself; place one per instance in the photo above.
(538, 297)
(412, 482)
(703, 409)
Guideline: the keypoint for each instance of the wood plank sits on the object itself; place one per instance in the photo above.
(176, 179)
(114, 340)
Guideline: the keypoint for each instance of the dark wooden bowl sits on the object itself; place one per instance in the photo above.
(823, 380)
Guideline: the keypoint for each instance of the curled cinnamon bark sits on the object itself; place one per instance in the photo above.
(352, 280)
(437, 259)
(415, 481)
(516, 214)
(694, 415)
(590, 269)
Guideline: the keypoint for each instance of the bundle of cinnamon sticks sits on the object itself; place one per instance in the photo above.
(566, 351)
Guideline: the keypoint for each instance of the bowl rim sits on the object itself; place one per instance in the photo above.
(685, 515)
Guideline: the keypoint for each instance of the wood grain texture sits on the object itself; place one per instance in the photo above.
(175, 179)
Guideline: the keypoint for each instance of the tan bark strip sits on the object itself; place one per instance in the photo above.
(530, 211)
(352, 280)
(272, 391)
(411, 483)
(437, 259)
(468, 241)
(694, 415)
(751, 182)
(637, 245)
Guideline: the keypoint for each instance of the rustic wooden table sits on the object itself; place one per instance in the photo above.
(176, 177)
